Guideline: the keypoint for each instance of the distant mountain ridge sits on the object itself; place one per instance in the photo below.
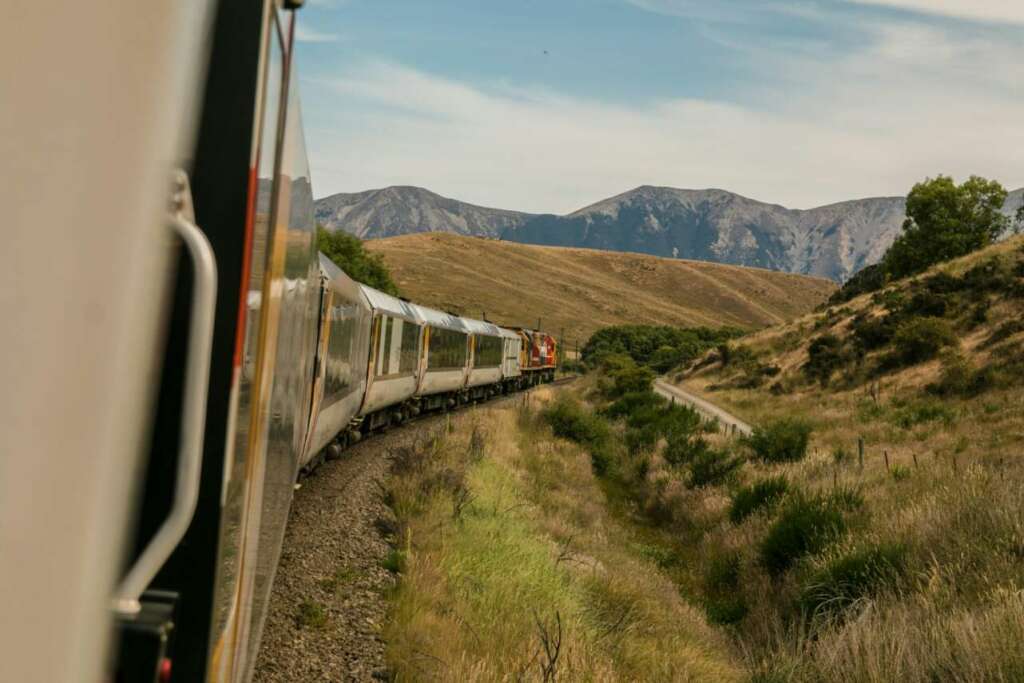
(833, 241)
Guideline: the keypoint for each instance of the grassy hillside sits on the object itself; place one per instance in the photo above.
(906, 565)
(583, 290)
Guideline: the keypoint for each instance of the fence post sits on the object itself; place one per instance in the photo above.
(886, 454)
(860, 451)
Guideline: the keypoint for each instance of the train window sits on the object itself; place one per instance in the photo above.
(384, 351)
(447, 349)
(338, 375)
(409, 353)
(488, 352)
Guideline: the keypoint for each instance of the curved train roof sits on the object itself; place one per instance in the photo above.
(436, 318)
(481, 327)
(340, 281)
(391, 305)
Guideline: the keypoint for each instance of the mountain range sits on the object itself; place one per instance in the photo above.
(833, 241)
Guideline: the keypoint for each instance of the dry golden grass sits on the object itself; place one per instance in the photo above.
(534, 548)
(949, 489)
(583, 290)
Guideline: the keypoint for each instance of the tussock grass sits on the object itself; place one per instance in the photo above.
(908, 565)
(535, 558)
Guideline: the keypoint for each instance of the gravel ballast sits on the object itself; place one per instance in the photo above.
(328, 603)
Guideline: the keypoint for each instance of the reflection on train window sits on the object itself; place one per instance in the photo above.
(384, 350)
(338, 379)
(447, 349)
(409, 353)
(488, 352)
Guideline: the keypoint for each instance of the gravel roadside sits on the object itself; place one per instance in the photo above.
(328, 602)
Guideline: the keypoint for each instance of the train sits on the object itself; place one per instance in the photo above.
(382, 360)
(189, 352)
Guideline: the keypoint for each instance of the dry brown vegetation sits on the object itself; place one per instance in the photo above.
(583, 290)
(924, 580)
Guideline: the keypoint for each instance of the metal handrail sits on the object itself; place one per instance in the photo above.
(193, 418)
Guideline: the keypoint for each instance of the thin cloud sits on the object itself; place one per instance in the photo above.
(308, 35)
(1011, 11)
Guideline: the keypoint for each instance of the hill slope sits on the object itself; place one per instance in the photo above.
(582, 290)
(832, 241)
(928, 377)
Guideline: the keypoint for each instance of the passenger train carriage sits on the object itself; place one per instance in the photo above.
(241, 358)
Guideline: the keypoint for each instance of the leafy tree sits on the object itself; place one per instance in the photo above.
(349, 254)
(946, 220)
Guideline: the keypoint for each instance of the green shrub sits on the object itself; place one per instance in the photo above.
(825, 356)
(926, 304)
(394, 562)
(992, 276)
(919, 412)
(658, 346)
(569, 420)
(682, 449)
(865, 280)
(651, 422)
(666, 358)
(943, 283)
(763, 495)
(712, 468)
(960, 378)
(311, 614)
(725, 610)
(852, 576)
(632, 379)
(724, 603)
(846, 498)
(872, 333)
(632, 402)
(782, 440)
(734, 354)
(804, 527)
(921, 339)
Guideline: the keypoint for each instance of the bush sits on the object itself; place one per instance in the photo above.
(734, 354)
(630, 380)
(782, 440)
(926, 303)
(912, 414)
(712, 468)
(804, 527)
(873, 332)
(683, 449)
(569, 420)
(959, 378)
(866, 280)
(850, 577)
(633, 402)
(921, 339)
(659, 346)
(824, 356)
(723, 602)
(763, 495)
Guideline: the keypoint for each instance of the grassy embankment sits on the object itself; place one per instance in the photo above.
(512, 568)
(907, 566)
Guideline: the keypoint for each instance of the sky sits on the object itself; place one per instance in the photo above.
(551, 105)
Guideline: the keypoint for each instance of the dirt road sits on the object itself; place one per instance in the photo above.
(702, 406)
